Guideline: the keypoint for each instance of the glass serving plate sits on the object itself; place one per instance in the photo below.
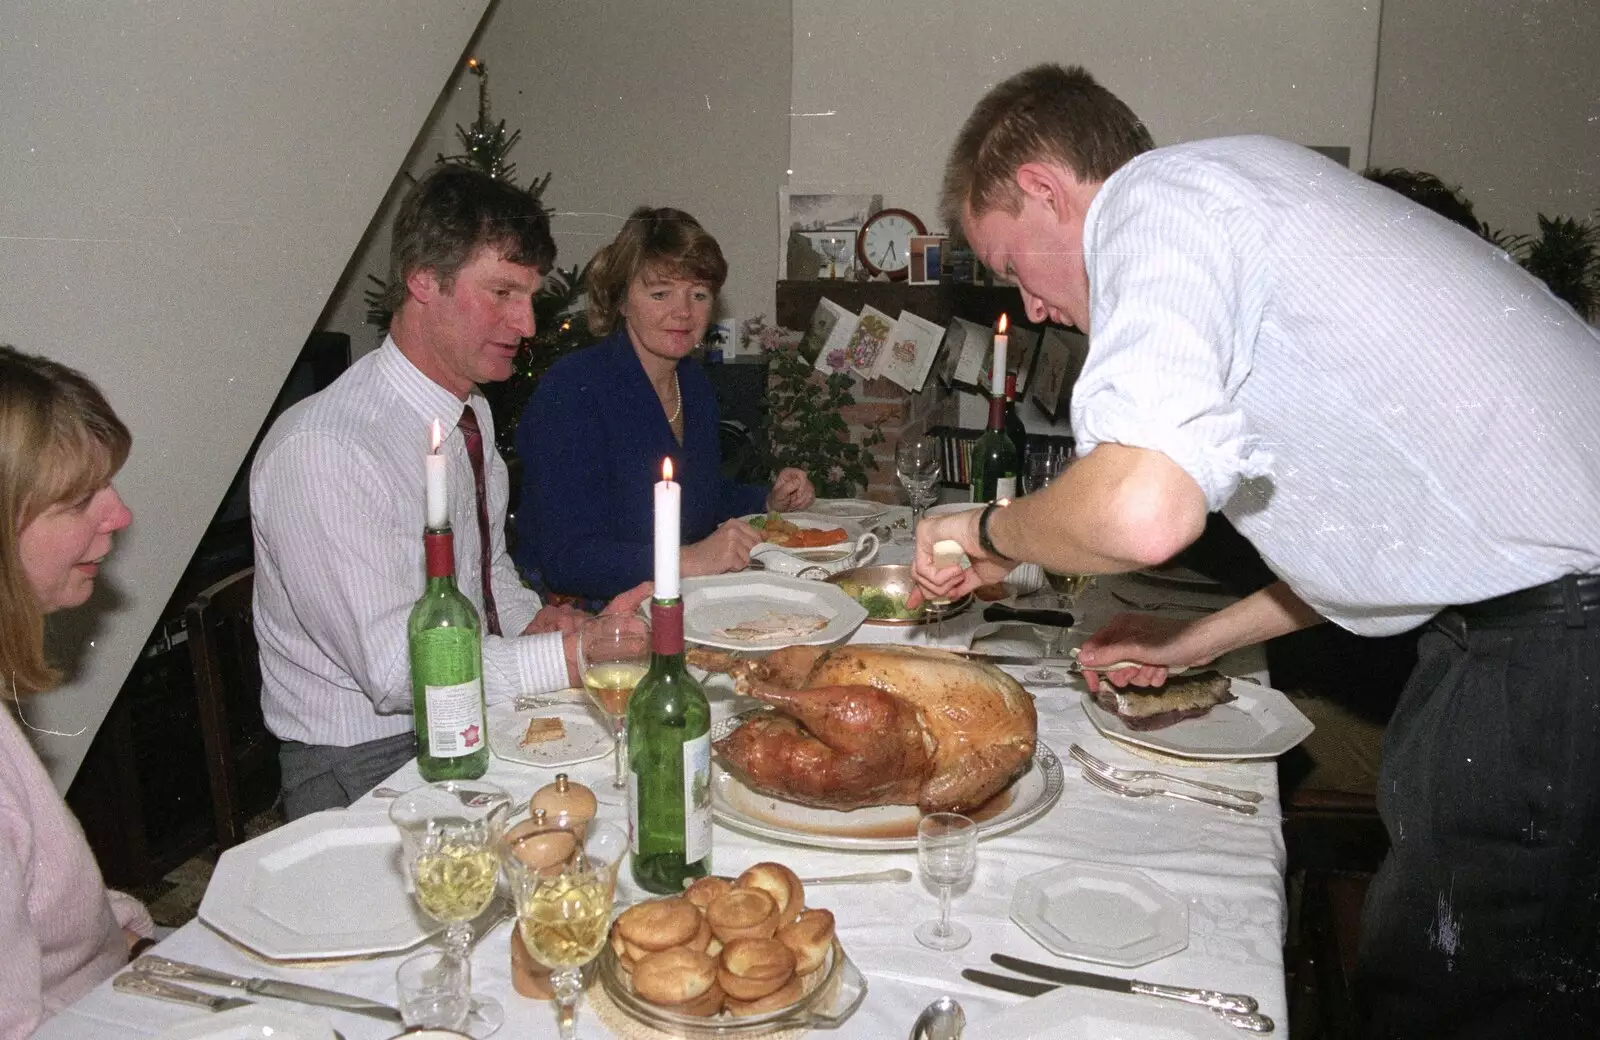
(839, 990)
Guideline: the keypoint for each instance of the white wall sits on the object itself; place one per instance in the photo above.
(668, 103)
(1499, 96)
(182, 184)
(880, 89)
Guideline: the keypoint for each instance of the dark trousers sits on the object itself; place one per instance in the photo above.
(318, 777)
(1484, 920)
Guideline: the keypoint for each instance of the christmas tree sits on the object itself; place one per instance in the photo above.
(560, 326)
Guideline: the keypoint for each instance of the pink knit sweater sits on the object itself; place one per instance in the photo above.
(60, 929)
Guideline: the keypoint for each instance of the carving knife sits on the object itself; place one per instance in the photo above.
(1233, 1003)
(162, 968)
(1252, 1022)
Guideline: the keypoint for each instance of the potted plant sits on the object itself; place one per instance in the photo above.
(1565, 254)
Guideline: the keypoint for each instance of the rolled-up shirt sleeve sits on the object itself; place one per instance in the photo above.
(1176, 275)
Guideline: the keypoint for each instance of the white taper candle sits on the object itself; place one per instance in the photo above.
(438, 485)
(668, 503)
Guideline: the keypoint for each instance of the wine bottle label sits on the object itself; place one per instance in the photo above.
(697, 798)
(1005, 487)
(455, 719)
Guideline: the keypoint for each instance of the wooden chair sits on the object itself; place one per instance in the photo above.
(241, 755)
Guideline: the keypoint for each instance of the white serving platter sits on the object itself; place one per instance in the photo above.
(1260, 723)
(858, 509)
(880, 828)
(1100, 913)
(325, 885)
(587, 738)
(713, 604)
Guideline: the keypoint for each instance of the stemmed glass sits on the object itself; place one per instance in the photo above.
(613, 655)
(947, 853)
(564, 911)
(835, 248)
(918, 462)
(1064, 592)
(450, 836)
(1039, 469)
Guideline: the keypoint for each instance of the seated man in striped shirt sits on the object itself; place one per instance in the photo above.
(1405, 424)
(337, 499)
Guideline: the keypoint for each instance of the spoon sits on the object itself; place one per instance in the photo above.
(941, 1020)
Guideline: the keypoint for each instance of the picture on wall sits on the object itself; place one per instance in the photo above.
(805, 219)
(1061, 358)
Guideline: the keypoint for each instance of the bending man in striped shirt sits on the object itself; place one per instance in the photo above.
(336, 499)
(1407, 427)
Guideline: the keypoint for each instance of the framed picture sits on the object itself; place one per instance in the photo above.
(804, 216)
(1061, 358)
(925, 254)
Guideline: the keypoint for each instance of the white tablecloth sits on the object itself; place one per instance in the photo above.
(1227, 868)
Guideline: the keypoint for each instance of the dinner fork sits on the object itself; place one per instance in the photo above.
(1165, 604)
(1107, 784)
(1128, 776)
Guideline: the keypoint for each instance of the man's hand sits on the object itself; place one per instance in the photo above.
(1157, 643)
(555, 617)
(936, 582)
(723, 550)
(792, 490)
(628, 602)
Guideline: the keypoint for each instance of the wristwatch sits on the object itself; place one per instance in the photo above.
(984, 541)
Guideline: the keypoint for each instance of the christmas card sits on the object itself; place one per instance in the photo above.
(908, 355)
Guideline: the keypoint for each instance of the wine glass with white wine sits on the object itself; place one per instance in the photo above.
(613, 655)
(564, 912)
(450, 837)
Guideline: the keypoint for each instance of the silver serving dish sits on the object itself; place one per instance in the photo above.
(894, 579)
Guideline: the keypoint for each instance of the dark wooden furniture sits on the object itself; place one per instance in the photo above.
(241, 756)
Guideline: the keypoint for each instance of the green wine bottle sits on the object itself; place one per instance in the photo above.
(669, 758)
(995, 459)
(446, 671)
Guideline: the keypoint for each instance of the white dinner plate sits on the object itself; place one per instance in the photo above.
(721, 601)
(858, 509)
(879, 828)
(587, 737)
(1105, 914)
(1260, 723)
(255, 1022)
(325, 885)
(1076, 1013)
(852, 530)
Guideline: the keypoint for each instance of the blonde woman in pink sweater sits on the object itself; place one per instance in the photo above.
(61, 931)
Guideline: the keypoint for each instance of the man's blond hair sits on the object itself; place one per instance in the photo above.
(1048, 113)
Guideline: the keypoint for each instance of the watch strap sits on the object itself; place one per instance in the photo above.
(984, 541)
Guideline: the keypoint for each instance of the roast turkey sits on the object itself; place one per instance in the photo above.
(880, 725)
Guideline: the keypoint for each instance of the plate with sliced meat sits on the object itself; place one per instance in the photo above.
(766, 611)
(1204, 716)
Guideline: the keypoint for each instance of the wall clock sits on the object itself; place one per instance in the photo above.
(883, 245)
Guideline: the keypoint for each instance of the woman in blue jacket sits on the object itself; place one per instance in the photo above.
(593, 435)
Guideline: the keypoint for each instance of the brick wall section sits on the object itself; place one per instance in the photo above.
(881, 399)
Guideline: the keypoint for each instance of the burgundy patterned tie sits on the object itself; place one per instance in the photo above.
(469, 428)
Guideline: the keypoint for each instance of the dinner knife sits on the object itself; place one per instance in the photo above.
(162, 968)
(146, 986)
(1028, 615)
(1209, 998)
(1253, 1022)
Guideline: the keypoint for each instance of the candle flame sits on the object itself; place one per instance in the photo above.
(666, 468)
(1004, 321)
(438, 436)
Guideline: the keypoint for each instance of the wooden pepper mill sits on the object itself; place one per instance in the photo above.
(563, 797)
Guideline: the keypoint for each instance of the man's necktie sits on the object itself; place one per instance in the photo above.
(474, 436)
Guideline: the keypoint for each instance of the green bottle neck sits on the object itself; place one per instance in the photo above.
(666, 630)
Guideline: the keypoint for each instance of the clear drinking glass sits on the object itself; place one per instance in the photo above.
(1065, 590)
(613, 655)
(431, 993)
(947, 853)
(1039, 469)
(835, 248)
(919, 463)
(450, 837)
(564, 912)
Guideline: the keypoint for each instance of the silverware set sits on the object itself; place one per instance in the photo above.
(1121, 782)
(1236, 1009)
(158, 977)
